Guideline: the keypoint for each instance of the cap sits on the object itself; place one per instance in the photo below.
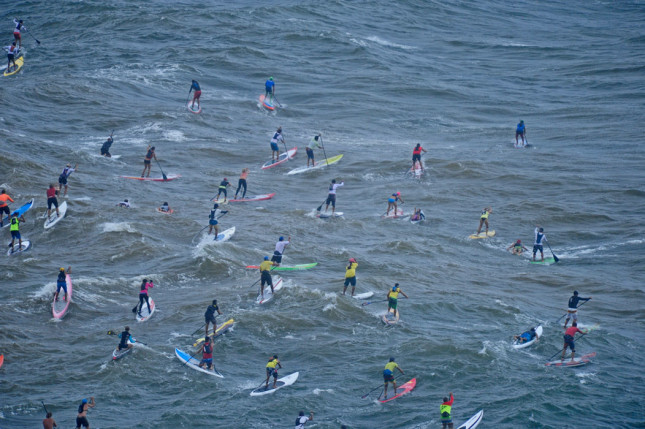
(127, 328)
(84, 401)
(398, 193)
(519, 241)
(215, 205)
(214, 302)
(391, 359)
(271, 78)
(62, 269)
(352, 260)
(394, 288)
(281, 238)
(165, 203)
(225, 178)
(266, 258)
(275, 356)
(301, 413)
(575, 292)
(541, 229)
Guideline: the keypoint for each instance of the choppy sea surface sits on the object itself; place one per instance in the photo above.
(374, 78)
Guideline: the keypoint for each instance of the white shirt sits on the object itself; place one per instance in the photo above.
(332, 188)
(542, 237)
(277, 138)
(280, 245)
(302, 420)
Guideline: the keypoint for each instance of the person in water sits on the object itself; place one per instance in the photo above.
(388, 376)
(525, 337)
(275, 149)
(393, 298)
(212, 219)
(81, 417)
(143, 294)
(125, 203)
(61, 282)
(313, 144)
(518, 247)
(210, 317)
(14, 227)
(416, 156)
(392, 203)
(4, 205)
(445, 410)
(540, 237)
(49, 422)
(12, 51)
(198, 93)
(483, 219)
(52, 200)
(147, 161)
(62, 179)
(207, 353)
(331, 196)
(569, 335)
(222, 189)
(418, 215)
(16, 32)
(350, 275)
(520, 131)
(272, 371)
(269, 88)
(572, 310)
(241, 183)
(265, 275)
(279, 250)
(105, 149)
(302, 420)
(165, 207)
(125, 337)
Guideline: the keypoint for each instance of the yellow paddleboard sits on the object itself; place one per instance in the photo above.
(491, 233)
(220, 330)
(19, 62)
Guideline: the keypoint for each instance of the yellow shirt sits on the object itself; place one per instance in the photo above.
(266, 266)
(485, 214)
(394, 294)
(351, 271)
(391, 366)
(272, 363)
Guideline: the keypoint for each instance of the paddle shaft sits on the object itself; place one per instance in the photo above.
(37, 41)
(560, 351)
(555, 258)
(162, 173)
(377, 388)
(276, 99)
(323, 148)
(372, 302)
(272, 268)
(46, 410)
(568, 312)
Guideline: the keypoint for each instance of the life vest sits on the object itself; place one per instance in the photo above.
(208, 351)
(417, 151)
(15, 224)
(61, 276)
(272, 363)
(445, 411)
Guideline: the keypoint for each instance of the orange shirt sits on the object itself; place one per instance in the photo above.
(3, 199)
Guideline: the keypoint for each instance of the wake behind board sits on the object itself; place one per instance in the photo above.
(268, 295)
(474, 421)
(282, 382)
(284, 157)
(267, 104)
(363, 295)
(329, 215)
(53, 219)
(401, 390)
(196, 110)
(482, 234)
(169, 177)
(319, 164)
(253, 198)
(390, 318)
(416, 170)
(547, 261)
(20, 210)
(288, 268)
(518, 345)
(568, 363)
(221, 329)
(145, 314)
(194, 364)
(26, 245)
(15, 69)
(60, 307)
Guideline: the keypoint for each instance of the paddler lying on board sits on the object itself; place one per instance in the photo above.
(61, 282)
(483, 219)
(125, 203)
(272, 371)
(392, 203)
(165, 207)
(388, 375)
(265, 274)
(313, 144)
(525, 337)
(518, 247)
(393, 298)
(418, 215)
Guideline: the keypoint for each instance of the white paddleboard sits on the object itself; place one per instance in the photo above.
(328, 215)
(145, 314)
(26, 244)
(538, 331)
(474, 421)
(53, 219)
(194, 363)
(363, 295)
(390, 318)
(282, 382)
(225, 235)
(393, 215)
(268, 295)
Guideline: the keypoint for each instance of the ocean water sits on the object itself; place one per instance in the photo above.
(374, 78)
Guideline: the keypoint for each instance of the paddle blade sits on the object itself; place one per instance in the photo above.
(555, 258)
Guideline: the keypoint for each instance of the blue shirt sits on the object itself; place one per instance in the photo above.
(269, 85)
(520, 128)
(195, 86)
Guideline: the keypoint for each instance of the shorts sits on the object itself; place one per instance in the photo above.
(572, 315)
(82, 421)
(350, 280)
(274, 146)
(391, 200)
(416, 157)
(10, 57)
(5, 209)
(519, 134)
(61, 285)
(62, 179)
(388, 376)
(15, 234)
(265, 278)
(105, 151)
(208, 362)
(568, 339)
(197, 94)
(277, 257)
(445, 422)
(272, 372)
(210, 319)
(537, 247)
(51, 201)
(392, 303)
(331, 199)
(212, 222)
(310, 153)
(16, 35)
(146, 162)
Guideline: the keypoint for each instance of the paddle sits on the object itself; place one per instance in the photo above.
(116, 335)
(377, 388)
(197, 235)
(557, 321)
(188, 98)
(286, 152)
(272, 268)
(276, 100)
(37, 41)
(555, 258)
(162, 173)
(320, 206)
(197, 331)
(46, 410)
(560, 351)
(323, 148)
(372, 302)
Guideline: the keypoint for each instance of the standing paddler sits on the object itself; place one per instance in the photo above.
(265, 274)
(572, 310)
(388, 375)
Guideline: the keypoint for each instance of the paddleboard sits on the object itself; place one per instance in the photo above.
(288, 268)
(482, 234)
(118, 354)
(266, 103)
(21, 210)
(268, 295)
(547, 261)
(53, 219)
(474, 421)
(363, 295)
(579, 361)
(220, 200)
(393, 215)
(145, 314)
(284, 157)
(389, 318)
(219, 331)
(518, 345)
(15, 69)
(401, 390)
(282, 382)
(519, 145)
(60, 307)
(224, 235)
(253, 198)
(196, 110)
(416, 170)
(421, 219)
(169, 212)
(26, 245)
(319, 164)
(328, 215)
(194, 363)
(169, 177)
(1, 360)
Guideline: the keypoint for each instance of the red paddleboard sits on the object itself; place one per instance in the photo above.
(265, 103)
(154, 179)
(60, 307)
(401, 390)
(254, 198)
(1, 360)
(284, 157)
(196, 110)
(169, 212)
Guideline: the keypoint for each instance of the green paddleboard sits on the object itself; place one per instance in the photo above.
(547, 261)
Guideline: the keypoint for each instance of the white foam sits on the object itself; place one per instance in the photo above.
(319, 391)
(118, 227)
(384, 42)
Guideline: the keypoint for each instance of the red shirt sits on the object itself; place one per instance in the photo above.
(51, 193)
(416, 151)
(572, 331)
